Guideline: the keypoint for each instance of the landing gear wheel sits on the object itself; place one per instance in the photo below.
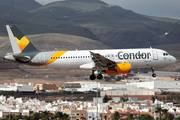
(153, 75)
(99, 76)
(92, 77)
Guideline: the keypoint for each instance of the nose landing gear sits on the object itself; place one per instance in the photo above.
(153, 75)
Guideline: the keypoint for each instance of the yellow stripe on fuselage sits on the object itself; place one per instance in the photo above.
(57, 54)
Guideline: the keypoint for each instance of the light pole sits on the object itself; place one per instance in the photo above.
(97, 100)
(72, 102)
(9, 111)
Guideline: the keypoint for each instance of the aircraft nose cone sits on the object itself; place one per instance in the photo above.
(173, 59)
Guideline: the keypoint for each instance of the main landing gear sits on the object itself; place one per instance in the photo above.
(93, 76)
(153, 75)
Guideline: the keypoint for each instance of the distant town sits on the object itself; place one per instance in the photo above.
(136, 96)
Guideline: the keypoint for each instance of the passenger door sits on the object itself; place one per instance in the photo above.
(155, 55)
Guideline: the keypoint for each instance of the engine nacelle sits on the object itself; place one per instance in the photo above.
(119, 68)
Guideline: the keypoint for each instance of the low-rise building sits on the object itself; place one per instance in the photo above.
(47, 86)
(17, 87)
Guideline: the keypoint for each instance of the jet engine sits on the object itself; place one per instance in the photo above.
(119, 68)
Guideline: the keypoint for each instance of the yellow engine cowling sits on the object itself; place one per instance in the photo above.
(119, 68)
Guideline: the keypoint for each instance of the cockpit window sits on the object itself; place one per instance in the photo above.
(165, 54)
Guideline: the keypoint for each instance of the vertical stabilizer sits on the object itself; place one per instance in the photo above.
(14, 44)
(19, 42)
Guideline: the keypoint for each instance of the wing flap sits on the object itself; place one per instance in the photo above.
(101, 62)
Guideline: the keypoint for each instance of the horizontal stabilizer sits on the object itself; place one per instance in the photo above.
(22, 58)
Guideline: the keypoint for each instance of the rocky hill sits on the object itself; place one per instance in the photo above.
(55, 42)
(93, 19)
(25, 5)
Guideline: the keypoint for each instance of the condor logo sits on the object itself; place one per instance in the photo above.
(137, 55)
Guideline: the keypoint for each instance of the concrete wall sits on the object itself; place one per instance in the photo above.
(120, 86)
(121, 93)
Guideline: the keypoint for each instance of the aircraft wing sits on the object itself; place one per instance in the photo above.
(101, 62)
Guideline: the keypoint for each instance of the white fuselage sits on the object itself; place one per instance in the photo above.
(138, 58)
(112, 61)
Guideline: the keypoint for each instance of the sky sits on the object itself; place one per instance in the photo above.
(158, 8)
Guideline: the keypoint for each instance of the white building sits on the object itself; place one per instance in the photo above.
(17, 87)
(91, 113)
(157, 84)
(92, 86)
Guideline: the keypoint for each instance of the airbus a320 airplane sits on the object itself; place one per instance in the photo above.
(113, 61)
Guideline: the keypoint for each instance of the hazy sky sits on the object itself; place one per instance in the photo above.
(160, 8)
